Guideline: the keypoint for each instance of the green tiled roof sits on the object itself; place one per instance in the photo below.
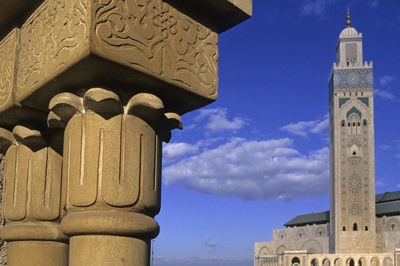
(387, 196)
(309, 218)
(386, 204)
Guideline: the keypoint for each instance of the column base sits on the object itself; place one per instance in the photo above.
(94, 250)
(37, 253)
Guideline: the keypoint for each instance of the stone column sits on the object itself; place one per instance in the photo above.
(158, 58)
(112, 168)
(32, 203)
(397, 256)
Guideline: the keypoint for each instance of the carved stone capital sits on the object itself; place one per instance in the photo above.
(32, 202)
(112, 158)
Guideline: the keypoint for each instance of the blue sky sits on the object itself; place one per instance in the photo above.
(258, 156)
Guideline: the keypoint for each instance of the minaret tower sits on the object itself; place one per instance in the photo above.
(352, 162)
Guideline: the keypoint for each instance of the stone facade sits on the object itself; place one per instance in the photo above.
(312, 238)
(360, 227)
(352, 163)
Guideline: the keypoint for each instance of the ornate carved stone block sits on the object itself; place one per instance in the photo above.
(53, 39)
(159, 40)
(146, 44)
(8, 55)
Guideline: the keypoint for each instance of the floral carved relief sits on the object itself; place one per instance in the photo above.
(161, 41)
(52, 39)
(8, 53)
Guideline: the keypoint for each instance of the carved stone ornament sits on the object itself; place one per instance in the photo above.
(112, 155)
(146, 44)
(8, 54)
(159, 40)
(32, 203)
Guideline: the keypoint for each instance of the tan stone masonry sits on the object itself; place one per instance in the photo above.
(89, 90)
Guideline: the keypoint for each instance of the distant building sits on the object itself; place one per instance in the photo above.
(361, 228)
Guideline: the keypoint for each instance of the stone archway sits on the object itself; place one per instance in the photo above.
(387, 262)
(264, 251)
(281, 249)
(326, 262)
(338, 262)
(295, 261)
(314, 262)
(374, 261)
(312, 246)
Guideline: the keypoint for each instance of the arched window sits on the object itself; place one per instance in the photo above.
(295, 261)
(314, 262)
(344, 228)
(354, 228)
(354, 121)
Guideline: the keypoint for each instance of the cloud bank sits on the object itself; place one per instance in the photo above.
(304, 128)
(253, 170)
(216, 120)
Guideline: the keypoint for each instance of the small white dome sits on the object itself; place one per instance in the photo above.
(349, 31)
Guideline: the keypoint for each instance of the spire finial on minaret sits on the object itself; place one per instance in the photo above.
(348, 22)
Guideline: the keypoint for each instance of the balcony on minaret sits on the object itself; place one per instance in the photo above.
(349, 48)
(349, 72)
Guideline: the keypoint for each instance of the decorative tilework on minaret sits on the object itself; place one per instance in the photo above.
(352, 170)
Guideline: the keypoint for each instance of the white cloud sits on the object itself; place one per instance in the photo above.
(379, 183)
(383, 81)
(316, 7)
(373, 3)
(216, 120)
(397, 155)
(384, 147)
(208, 242)
(303, 128)
(172, 151)
(320, 8)
(266, 169)
(385, 94)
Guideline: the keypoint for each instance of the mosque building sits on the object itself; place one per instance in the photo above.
(361, 228)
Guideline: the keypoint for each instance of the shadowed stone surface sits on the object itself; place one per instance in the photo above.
(3, 245)
(112, 77)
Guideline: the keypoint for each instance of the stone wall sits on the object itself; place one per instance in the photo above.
(301, 257)
(3, 245)
(388, 233)
(313, 238)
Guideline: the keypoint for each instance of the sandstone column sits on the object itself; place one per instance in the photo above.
(112, 167)
(32, 202)
(116, 75)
